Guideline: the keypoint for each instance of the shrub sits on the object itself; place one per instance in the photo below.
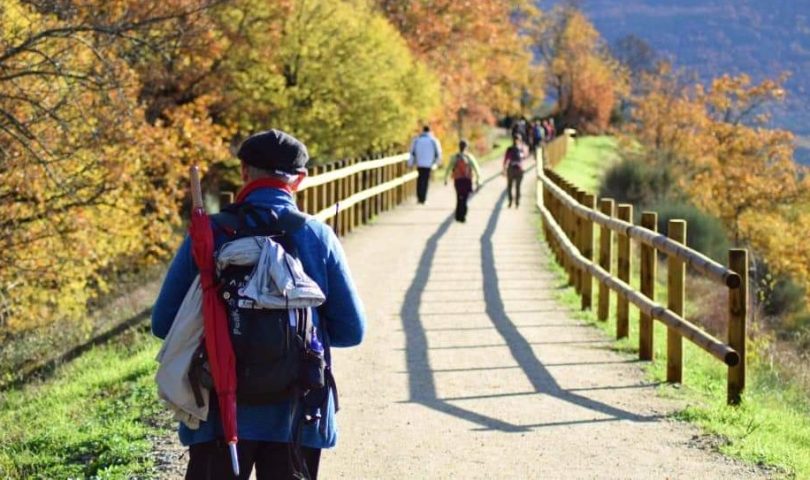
(633, 181)
(783, 296)
(704, 232)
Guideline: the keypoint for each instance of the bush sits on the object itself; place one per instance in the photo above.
(704, 232)
(783, 296)
(633, 181)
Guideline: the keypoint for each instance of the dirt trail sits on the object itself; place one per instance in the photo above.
(471, 369)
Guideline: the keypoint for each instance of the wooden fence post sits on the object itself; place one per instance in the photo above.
(312, 193)
(352, 213)
(398, 173)
(359, 185)
(383, 195)
(376, 173)
(587, 251)
(367, 183)
(557, 214)
(320, 191)
(737, 317)
(579, 236)
(569, 231)
(391, 192)
(624, 266)
(572, 223)
(343, 185)
(676, 274)
(324, 190)
(649, 220)
(606, 206)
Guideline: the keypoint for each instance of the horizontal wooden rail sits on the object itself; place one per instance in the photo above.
(569, 216)
(333, 209)
(712, 345)
(344, 172)
(350, 192)
(694, 259)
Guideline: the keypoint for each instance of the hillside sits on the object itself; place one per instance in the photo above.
(712, 37)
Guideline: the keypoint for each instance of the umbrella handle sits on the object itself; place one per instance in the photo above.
(196, 188)
(234, 458)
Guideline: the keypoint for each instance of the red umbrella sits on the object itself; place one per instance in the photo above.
(221, 358)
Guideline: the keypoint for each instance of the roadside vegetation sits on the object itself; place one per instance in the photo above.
(95, 418)
(105, 105)
(772, 426)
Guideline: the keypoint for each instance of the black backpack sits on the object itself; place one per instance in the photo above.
(278, 354)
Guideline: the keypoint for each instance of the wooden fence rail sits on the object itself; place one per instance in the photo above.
(348, 193)
(569, 216)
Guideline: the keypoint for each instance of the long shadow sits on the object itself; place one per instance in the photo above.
(521, 349)
(421, 382)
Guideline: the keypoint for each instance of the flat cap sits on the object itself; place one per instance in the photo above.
(274, 150)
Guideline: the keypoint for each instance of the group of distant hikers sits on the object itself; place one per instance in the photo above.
(285, 292)
(536, 132)
(426, 154)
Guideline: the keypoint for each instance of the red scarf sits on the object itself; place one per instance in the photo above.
(262, 183)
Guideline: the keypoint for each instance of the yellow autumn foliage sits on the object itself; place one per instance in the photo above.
(727, 160)
(105, 104)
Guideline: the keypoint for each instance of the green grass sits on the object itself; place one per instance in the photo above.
(93, 419)
(770, 428)
(587, 161)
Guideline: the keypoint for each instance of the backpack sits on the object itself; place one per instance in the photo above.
(462, 168)
(515, 157)
(278, 354)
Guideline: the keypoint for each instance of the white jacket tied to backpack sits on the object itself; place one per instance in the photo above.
(425, 151)
(278, 281)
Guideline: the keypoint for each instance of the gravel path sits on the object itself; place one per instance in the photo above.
(471, 369)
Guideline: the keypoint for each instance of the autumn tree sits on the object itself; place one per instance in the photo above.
(716, 141)
(336, 74)
(76, 187)
(477, 51)
(587, 80)
(104, 105)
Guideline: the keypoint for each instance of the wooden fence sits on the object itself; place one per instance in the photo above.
(350, 192)
(570, 218)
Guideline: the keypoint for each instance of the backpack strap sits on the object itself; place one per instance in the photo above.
(292, 221)
(245, 219)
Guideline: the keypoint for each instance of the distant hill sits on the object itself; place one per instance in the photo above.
(762, 38)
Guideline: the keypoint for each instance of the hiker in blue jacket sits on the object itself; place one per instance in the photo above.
(273, 163)
(426, 154)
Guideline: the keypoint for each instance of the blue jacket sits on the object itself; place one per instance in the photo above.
(323, 260)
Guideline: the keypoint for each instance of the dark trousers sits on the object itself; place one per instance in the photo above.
(273, 461)
(514, 175)
(422, 183)
(463, 189)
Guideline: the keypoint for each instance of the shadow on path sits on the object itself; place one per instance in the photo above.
(521, 349)
(422, 385)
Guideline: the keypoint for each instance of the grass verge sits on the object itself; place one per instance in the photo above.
(588, 160)
(772, 426)
(94, 418)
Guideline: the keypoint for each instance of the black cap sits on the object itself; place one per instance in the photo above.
(274, 150)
